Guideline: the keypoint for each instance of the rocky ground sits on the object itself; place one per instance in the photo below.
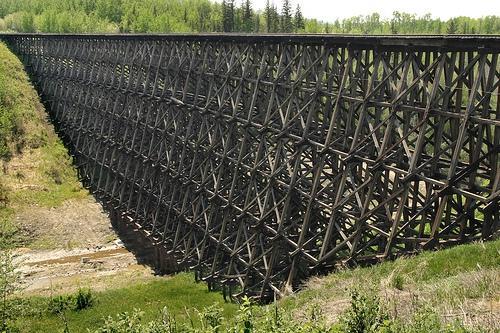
(75, 246)
(50, 272)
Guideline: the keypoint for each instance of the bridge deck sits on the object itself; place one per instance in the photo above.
(448, 42)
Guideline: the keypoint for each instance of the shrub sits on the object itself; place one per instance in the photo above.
(4, 195)
(81, 300)
(10, 328)
(55, 173)
(124, 322)
(84, 299)
(364, 316)
(9, 284)
(59, 304)
(211, 318)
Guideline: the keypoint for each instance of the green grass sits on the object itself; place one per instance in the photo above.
(179, 293)
(10, 235)
(42, 174)
(446, 277)
(442, 271)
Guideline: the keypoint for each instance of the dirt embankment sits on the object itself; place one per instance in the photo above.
(70, 246)
(75, 247)
(61, 236)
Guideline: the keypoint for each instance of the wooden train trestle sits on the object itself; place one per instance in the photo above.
(260, 160)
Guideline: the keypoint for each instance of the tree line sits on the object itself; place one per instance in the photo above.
(164, 16)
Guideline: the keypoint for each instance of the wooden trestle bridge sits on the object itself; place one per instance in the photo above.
(258, 160)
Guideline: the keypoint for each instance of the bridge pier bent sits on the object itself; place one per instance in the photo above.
(258, 160)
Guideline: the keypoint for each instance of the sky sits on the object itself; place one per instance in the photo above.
(330, 10)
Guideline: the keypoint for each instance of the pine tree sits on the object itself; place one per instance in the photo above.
(275, 19)
(257, 23)
(299, 19)
(286, 17)
(327, 28)
(228, 15)
(268, 15)
(272, 18)
(247, 16)
(452, 27)
(204, 12)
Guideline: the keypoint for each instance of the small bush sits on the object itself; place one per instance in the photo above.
(4, 195)
(211, 318)
(38, 140)
(364, 316)
(84, 299)
(19, 176)
(9, 280)
(59, 304)
(81, 300)
(124, 322)
(9, 328)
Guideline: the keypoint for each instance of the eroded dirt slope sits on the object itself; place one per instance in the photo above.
(61, 236)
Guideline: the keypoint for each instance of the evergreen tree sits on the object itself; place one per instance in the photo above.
(337, 26)
(299, 20)
(257, 23)
(275, 21)
(228, 15)
(247, 21)
(27, 22)
(286, 17)
(204, 11)
(272, 18)
(452, 27)
(268, 15)
(231, 15)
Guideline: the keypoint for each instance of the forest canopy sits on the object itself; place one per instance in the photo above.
(164, 16)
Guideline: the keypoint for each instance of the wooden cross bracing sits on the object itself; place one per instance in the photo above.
(257, 162)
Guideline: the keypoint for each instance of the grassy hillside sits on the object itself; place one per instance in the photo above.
(180, 294)
(460, 283)
(36, 170)
(454, 290)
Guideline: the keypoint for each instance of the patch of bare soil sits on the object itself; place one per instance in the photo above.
(72, 246)
(51, 272)
(77, 223)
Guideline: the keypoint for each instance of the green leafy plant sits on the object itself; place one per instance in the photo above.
(365, 314)
(9, 284)
(83, 299)
(59, 304)
(124, 322)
